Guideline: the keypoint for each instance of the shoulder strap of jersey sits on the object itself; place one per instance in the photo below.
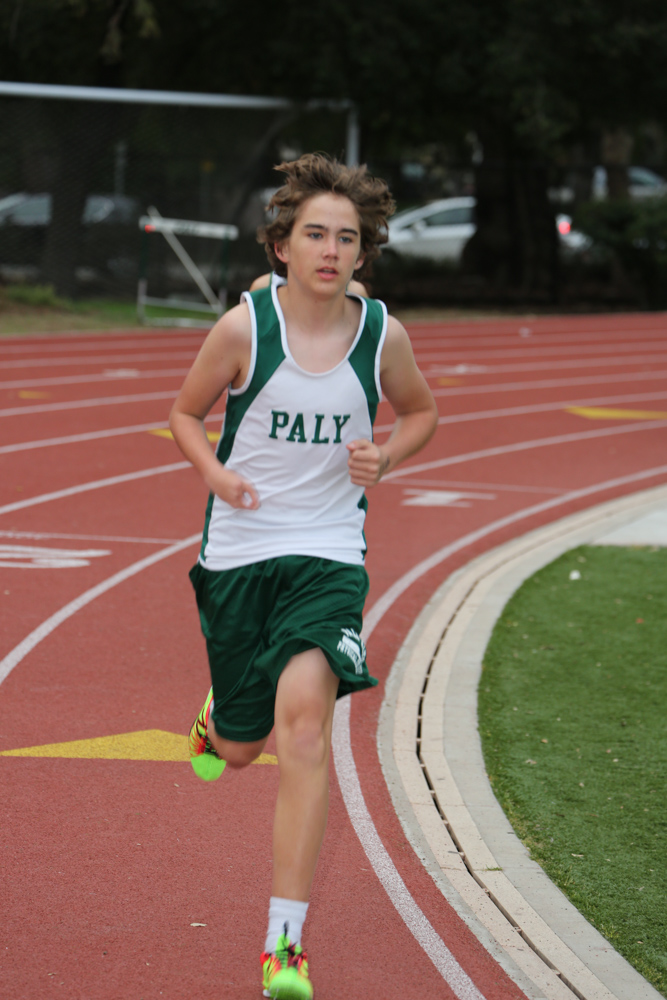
(365, 358)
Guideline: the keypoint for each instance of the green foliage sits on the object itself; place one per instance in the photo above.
(21, 314)
(529, 77)
(94, 38)
(572, 717)
(36, 295)
(635, 232)
(417, 69)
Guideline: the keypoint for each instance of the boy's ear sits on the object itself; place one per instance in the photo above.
(360, 260)
(280, 251)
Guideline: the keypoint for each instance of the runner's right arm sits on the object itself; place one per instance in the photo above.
(222, 361)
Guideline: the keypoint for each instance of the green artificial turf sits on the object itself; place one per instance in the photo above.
(573, 720)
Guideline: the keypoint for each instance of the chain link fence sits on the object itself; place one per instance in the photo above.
(77, 175)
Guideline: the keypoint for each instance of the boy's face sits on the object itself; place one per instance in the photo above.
(324, 248)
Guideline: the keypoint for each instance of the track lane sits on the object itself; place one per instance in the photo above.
(389, 520)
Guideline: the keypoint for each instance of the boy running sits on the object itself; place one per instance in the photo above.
(280, 581)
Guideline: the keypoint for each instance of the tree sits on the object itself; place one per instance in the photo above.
(91, 35)
(528, 77)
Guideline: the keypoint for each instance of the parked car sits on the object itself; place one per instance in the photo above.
(440, 230)
(35, 209)
(642, 183)
(107, 243)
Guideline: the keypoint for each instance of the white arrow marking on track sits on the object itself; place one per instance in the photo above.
(41, 557)
(440, 498)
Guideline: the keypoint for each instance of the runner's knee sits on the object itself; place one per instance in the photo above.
(238, 755)
(304, 739)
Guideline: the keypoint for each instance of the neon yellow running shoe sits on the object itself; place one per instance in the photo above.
(286, 972)
(205, 761)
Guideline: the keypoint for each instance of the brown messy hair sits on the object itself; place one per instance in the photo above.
(317, 173)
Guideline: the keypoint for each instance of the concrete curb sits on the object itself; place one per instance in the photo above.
(431, 755)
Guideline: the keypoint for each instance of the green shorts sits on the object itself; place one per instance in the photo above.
(256, 618)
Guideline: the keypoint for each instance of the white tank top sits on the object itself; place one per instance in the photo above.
(285, 429)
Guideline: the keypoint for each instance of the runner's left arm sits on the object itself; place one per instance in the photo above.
(410, 398)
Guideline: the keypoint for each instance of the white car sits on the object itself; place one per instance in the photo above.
(440, 230)
(35, 209)
(642, 183)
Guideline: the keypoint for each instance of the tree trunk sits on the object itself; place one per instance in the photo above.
(87, 131)
(515, 245)
(616, 152)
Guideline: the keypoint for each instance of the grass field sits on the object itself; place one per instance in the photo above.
(573, 719)
(27, 309)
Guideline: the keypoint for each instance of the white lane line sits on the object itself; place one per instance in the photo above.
(550, 383)
(417, 923)
(443, 341)
(399, 473)
(381, 429)
(346, 770)
(46, 628)
(450, 970)
(97, 484)
(535, 366)
(112, 359)
(382, 605)
(88, 538)
(91, 402)
(7, 449)
(81, 404)
(549, 351)
(46, 347)
(498, 487)
(465, 334)
(30, 383)
(507, 449)
(444, 334)
(515, 411)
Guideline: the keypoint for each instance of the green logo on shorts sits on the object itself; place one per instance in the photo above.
(353, 646)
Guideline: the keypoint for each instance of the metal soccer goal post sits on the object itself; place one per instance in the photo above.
(214, 305)
(79, 167)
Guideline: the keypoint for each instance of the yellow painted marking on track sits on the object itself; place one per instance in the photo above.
(147, 744)
(602, 413)
(33, 394)
(163, 432)
(449, 381)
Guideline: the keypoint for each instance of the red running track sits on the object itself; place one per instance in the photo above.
(127, 878)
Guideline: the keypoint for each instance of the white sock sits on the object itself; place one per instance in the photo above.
(285, 911)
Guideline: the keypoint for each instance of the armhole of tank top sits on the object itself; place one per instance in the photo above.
(279, 313)
(378, 353)
(247, 298)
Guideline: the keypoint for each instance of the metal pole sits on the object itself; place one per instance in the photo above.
(187, 262)
(63, 92)
(353, 136)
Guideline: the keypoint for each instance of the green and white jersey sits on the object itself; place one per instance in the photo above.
(285, 429)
